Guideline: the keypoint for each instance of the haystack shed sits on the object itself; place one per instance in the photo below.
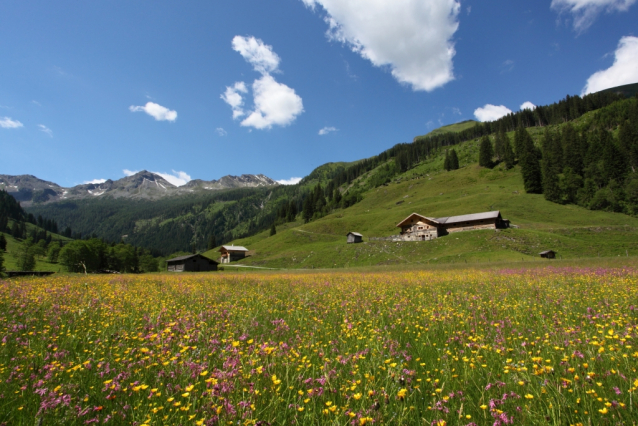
(191, 263)
(548, 254)
(354, 238)
(232, 253)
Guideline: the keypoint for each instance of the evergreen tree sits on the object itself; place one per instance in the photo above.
(574, 149)
(552, 152)
(1, 262)
(308, 208)
(486, 153)
(446, 162)
(3, 243)
(499, 143)
(16, 230)
(273, 230)
(529, 159)
(508, 153)
(570, 184)
(551, 188)
(628, 141)
(454, 160)
(615, 164)
(4, 221)
(211, 242)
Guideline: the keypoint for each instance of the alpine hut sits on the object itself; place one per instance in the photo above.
(354, 238)
(548, 254)
(232, 253)
(191, 263)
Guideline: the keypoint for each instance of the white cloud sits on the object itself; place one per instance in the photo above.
(128, 172)
(275, 104)
(491, 112)
(45, 129)
(233, 98)
(291, 181)
(585, 12)
(156, 111)
(528, 105)
(176, 178)
(221, 132)
(260, 55)
(95, 181)
(327, 130)
(623, 71)
(412, 37)
(8, 123)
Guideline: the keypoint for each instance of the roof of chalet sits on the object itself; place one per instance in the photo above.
(355, 234)
(547, 252)
(180, 258)
(233, 248)
(418, 215)
(455, 219)
(469, 217)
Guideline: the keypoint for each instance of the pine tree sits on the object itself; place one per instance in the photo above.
(1, 262)
(529, 159)
(212, 243)
(454, 160)
(3, 243)
(486, 153)
(446, 162)
(551, 188)
(308, 208)
(508, 153)
(273, 230)
(615, 164)
(573, 149)
(499, 143)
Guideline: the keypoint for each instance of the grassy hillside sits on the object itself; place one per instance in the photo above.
(572, 231)
(456, 127)
(10, 262)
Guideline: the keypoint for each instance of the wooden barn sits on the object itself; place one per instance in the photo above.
(191, 263)
(232, 253)
(548, 254)
(354, 238)
(417, 227)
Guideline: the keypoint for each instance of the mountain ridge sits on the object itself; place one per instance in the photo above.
(30, 190)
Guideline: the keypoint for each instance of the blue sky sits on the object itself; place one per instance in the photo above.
(200, 89)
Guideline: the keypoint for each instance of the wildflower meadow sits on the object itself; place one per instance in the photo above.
(457, 347)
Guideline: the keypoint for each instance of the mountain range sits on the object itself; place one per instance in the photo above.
(30, 190)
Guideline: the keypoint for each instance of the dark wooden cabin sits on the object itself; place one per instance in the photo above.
(191, 263)
(548, 254)
(354, 238)
(232, 253)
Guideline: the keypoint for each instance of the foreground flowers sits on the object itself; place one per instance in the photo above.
(530, 347)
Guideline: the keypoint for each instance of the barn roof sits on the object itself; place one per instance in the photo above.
(469, 217)
(356, 234)
(180, 258)
(547, 252)
(418, 216)
(234, 248)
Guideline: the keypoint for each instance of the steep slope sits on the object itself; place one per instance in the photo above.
(570, 230)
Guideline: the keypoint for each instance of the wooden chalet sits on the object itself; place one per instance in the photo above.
(417, 227)
(548, 254)
(232, 253)
(354, 238)
(191, 263)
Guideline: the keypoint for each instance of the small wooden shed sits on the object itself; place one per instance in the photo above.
(232, 253)
(191, 263)
(354, 238)
(548, 254)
